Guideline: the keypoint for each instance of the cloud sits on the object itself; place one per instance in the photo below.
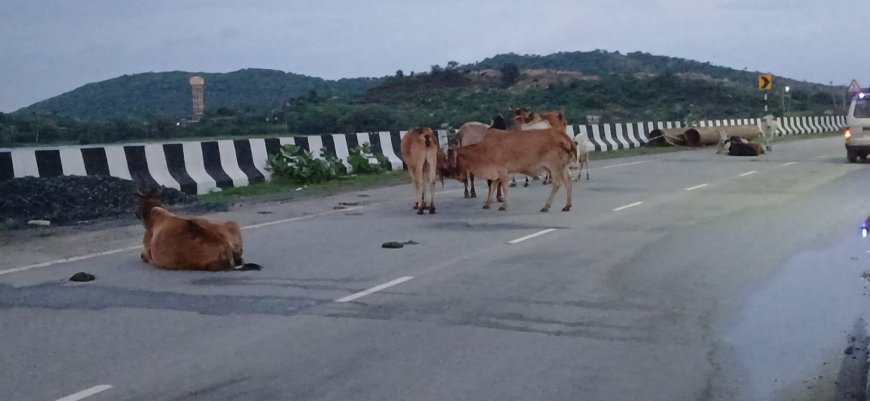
(50, 47)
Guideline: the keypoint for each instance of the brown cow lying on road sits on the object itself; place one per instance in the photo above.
(421, 153)
(188, 243)
(527, 152)
(738, 146)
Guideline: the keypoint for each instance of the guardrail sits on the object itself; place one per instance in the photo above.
(198, 167)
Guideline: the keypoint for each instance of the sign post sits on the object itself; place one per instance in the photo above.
(765, 83)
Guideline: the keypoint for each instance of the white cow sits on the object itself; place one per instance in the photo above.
(582, 143)
(768, 127)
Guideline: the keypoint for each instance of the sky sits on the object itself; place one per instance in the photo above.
(48, 47)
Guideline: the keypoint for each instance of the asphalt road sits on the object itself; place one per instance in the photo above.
(680, 276)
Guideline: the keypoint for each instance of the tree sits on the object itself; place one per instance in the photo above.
(452, 65)
(400, 74)
(435, 70)
(509, 74)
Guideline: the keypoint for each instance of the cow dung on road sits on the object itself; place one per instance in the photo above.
(82, 277)
(397, 245)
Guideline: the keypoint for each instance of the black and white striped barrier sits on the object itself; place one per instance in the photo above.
(200, 167)
(193, 167)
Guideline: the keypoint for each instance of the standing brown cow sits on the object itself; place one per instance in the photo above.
(471, 133)
(529, 152)
(421, 153)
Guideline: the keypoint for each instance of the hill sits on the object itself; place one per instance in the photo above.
(167, 94)
(618, 87)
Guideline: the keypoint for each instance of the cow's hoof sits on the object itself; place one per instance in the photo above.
(473, 195)
(566, 208)
(486, 206)
(420, 211)
(545, 209)
(415, 206)
(513, 185)
(526, 185)
(499, 199)
(432, 211)
(467, 195)
(502, 208)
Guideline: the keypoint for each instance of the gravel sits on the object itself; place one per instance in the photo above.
(73, 199)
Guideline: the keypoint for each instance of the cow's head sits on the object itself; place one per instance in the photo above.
(452, 165)
(149, 199)
(498, 122)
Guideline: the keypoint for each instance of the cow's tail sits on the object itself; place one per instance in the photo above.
(428, 141)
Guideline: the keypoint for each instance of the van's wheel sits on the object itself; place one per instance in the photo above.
(852, 156)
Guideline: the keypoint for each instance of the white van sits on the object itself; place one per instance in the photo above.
(858, 128)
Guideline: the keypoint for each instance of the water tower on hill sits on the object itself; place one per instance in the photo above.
(197, 84)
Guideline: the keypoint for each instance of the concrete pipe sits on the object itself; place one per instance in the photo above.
(707, 136)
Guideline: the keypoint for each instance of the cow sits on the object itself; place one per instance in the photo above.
(581, 141)
(526, 119)
(471, 133)
(768, 127)
(187, 243)
(738, 146)
(421, 153)
(530, 152)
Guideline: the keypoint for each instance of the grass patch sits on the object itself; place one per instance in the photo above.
(276, 188)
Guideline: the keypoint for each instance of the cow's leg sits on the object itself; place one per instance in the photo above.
(586, 163)
(553, 189)
(473, 192)
(465, 182)
(498, 195)
(432, 194)
(569, 188)
(526, 184)
(513, 181)
(504, 204)
(488, 203)
(416, 185)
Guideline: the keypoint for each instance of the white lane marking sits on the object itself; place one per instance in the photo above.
(530, 236)
(374, 289)
(696, 187)
(628, 206)
(620, 165)
(789, 164)
(748, 173)
(67, 260)
(298, 218)
(86, 393)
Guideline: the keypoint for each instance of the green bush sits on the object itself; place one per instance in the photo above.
(359, 160)
(302, 167)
